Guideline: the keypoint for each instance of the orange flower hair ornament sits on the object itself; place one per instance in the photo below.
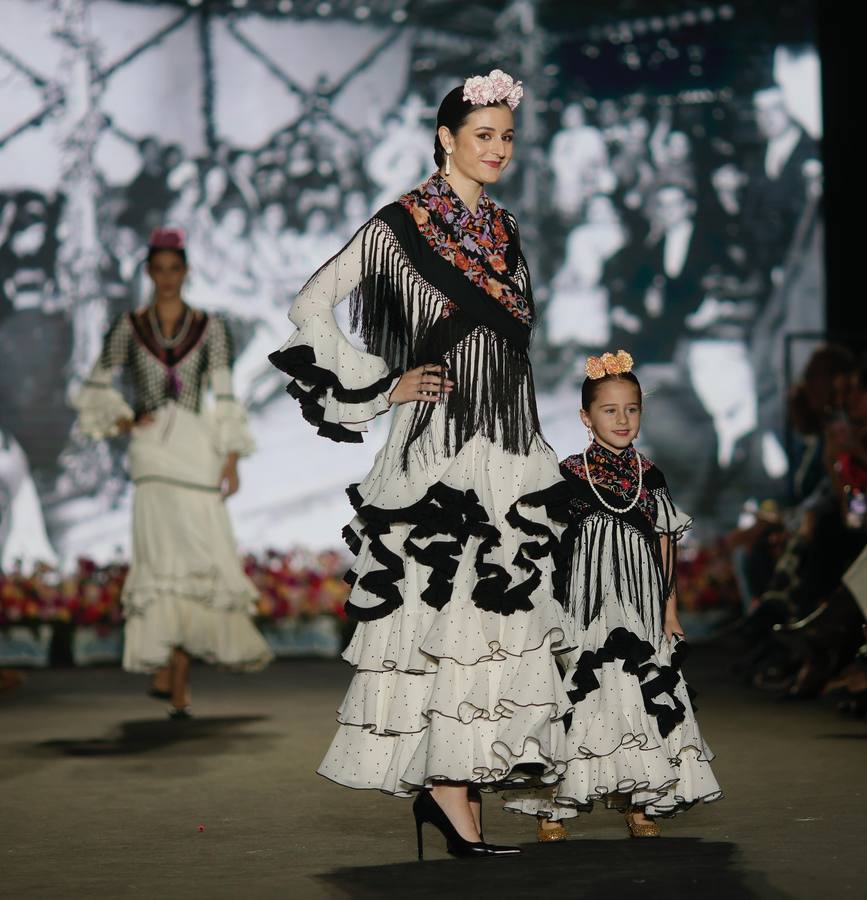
(608, 364)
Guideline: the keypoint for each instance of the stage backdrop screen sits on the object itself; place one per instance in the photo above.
(667, 182)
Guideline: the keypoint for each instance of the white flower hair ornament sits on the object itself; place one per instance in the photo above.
(495, 87)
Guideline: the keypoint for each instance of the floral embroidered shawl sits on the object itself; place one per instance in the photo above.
(477, 245)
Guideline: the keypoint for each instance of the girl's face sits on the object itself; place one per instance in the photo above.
(483, 145)
(167, 271)
(615, 414)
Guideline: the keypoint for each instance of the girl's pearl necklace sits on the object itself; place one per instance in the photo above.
(601, 500)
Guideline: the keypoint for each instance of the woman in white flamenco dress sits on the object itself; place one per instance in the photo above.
(186, 594)
(456, 686)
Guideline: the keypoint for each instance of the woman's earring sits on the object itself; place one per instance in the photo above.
(590, 436)
(448, 161)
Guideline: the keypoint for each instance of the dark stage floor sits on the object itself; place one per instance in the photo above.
(102, 798)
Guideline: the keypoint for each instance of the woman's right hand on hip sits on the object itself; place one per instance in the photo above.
(426, 383)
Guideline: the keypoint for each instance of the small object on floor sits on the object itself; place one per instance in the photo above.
(9, 679)
(180, 713)
(547, 835)
(201, 827)
(642, 829)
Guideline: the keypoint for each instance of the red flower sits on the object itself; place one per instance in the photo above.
(461, 261)
(497, 263)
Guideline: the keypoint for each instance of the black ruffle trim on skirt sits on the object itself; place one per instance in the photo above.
(635, 653)
(442, 521)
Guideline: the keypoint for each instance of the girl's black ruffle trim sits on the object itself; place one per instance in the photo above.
(300, 363)
(656, 680)
(442, 521)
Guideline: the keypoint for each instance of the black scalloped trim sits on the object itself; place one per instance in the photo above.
(635, 653)
(446, 518)
(555, 500)
(314, 412)
(299, 362)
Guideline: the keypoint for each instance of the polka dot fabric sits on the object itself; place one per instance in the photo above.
(456, 676)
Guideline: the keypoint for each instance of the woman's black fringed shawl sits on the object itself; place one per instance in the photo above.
(483, 347)
(493, 393)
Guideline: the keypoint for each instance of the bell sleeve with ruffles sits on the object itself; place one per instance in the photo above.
(339, 387)
(99, 404)
(670, 520)
(230, 427)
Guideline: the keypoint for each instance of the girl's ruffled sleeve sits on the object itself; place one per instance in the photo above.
(670, 520)
(339, 387)
(99, 404)
(230, 426)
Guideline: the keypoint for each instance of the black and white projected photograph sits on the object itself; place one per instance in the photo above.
(644, 424)
(668, 193)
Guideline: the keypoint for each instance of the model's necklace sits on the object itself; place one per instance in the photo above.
(162, 340)
(601, 500)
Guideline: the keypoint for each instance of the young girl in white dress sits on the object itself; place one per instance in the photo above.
(633, 742)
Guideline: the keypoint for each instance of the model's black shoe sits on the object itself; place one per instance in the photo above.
(180, 713)
(426, 809)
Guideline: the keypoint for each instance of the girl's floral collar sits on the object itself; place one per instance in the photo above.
(616, 472)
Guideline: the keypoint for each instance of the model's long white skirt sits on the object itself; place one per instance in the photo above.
(448, 686)
(186, 587)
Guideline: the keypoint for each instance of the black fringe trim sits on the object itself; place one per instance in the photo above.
(300, 363)
(394, 310)
(445, 518)
(635, 653)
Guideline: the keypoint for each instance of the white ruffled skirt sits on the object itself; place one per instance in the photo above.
(633, 736)
(186, 587)
(455, 649)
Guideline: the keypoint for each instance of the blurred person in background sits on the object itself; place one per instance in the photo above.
(816, 543)
(778, 182)
(577, 312)
(186, 595)
(578, 158)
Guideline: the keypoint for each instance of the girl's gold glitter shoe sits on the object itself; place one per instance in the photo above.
(544, 835)
(642, 829)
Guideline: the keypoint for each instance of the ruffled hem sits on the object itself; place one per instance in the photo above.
(399, 732)
(212, 589)
(632, 776)
(338, 412)
(633, 731)
(221, 637)
(99, 408)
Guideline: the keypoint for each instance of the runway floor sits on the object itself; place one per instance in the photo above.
(101, 797)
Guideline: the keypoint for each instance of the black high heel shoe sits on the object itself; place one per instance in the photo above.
(426, 809)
